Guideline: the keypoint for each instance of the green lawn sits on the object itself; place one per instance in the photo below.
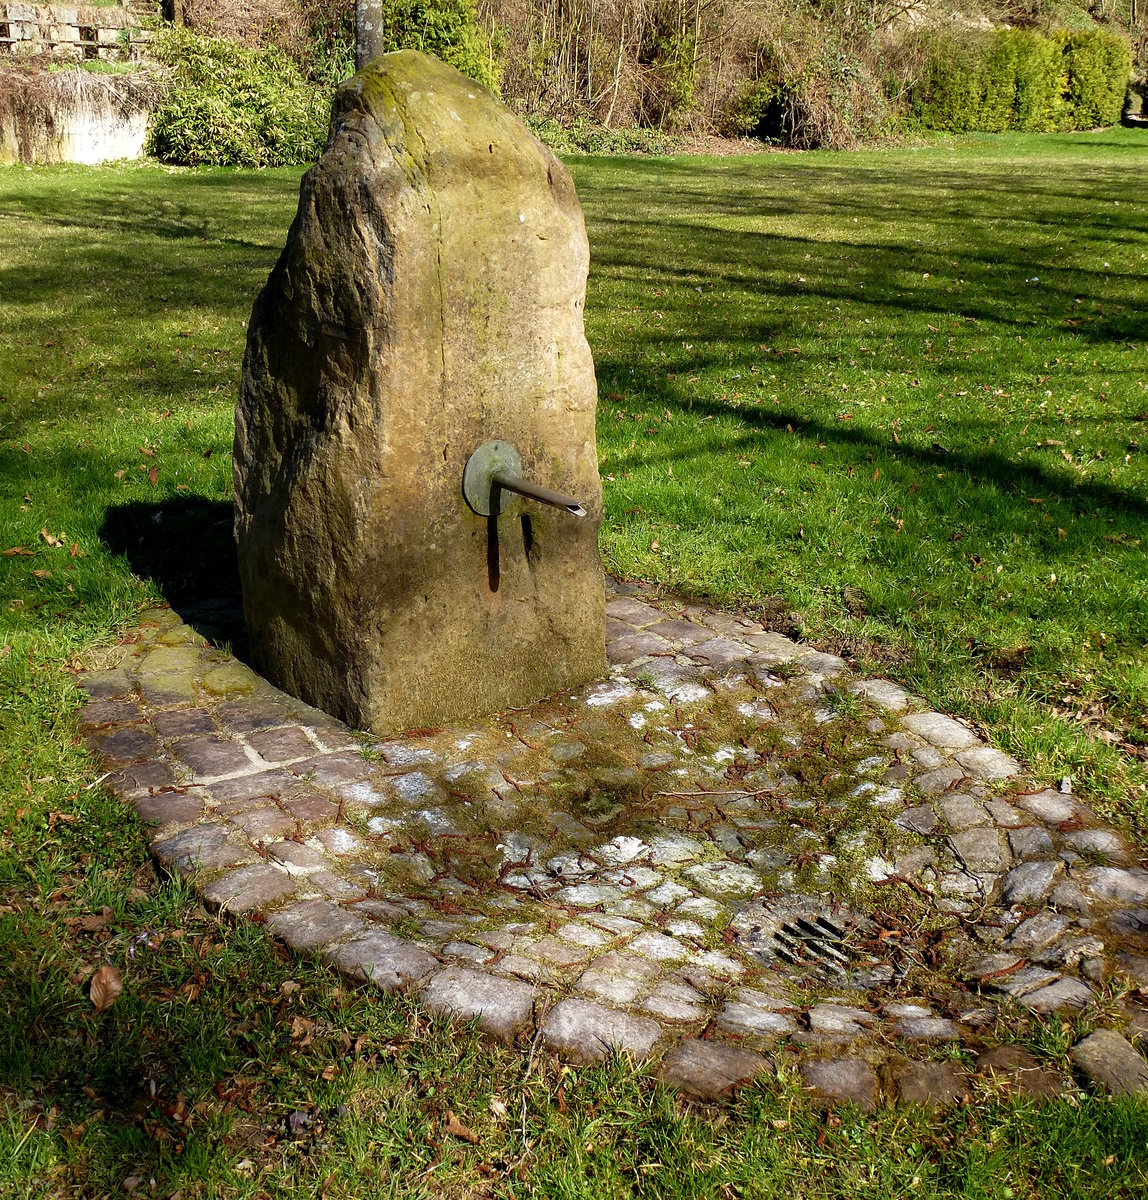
(896, 398)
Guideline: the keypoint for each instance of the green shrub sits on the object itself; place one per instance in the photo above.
(1036, 103)
(447, 29)
(226, 105)
(998, 76)
(1095, 73)
(1018, 79)
(814, 90)
(949, 95)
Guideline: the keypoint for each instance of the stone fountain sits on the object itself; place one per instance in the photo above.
(428, 306)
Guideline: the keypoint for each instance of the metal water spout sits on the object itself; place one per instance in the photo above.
(496, 468)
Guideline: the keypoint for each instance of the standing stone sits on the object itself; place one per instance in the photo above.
(429, 299)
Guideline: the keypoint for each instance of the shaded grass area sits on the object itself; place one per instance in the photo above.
(816, 372)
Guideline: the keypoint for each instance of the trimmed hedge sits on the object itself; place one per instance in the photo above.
(1018, 79)
(1097, 67)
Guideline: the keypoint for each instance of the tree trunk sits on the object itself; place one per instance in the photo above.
(368, 32)
(617, 72)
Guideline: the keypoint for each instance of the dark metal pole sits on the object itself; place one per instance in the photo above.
(533, 492)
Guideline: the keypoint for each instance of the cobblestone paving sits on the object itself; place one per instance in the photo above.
(729, 854)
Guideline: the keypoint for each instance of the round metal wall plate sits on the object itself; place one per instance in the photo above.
(489, 459)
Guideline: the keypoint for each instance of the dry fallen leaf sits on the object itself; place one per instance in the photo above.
(94, 922)
(106, 986)
(457, 1129)
(329, 1073)
(151, 476)
(23, 551)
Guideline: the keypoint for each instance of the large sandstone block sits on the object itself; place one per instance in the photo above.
(429, 299)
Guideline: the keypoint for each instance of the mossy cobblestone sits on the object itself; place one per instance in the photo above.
(731, 848)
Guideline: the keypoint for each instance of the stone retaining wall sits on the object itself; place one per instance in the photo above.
(76, 31)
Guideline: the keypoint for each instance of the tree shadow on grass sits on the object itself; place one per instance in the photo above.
(981, 243)
(859, 446)
(186, 547)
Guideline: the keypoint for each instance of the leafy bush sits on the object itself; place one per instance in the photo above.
(998, 82)
(949, 95)
(445, 28)
(228, 105)
(1096, 70)
(754, 109)
(1018, 79)
(1036, 101)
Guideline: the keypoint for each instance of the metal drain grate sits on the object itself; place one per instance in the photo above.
(801, 932)
(818, 943)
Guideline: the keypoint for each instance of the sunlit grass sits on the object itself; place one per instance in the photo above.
(884, 396)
